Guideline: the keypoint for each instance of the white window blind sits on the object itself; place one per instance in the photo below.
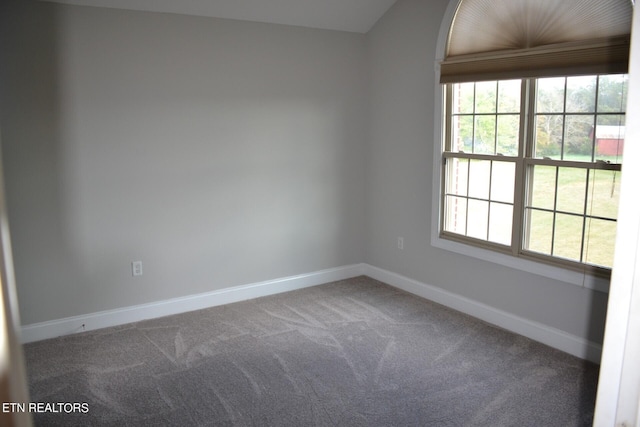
(500, 39)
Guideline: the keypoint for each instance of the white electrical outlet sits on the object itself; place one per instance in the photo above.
(400, 243)
(136, 268)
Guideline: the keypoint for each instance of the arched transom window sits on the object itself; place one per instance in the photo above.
(534, 126)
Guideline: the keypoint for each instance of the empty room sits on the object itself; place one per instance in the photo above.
(319, 212)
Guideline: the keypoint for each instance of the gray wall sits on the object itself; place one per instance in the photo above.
(222, 153)
(218, 152)
(402, 50)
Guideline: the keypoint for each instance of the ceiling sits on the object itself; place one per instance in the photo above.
(343, 15)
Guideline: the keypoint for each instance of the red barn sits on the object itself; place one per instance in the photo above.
(609, 140)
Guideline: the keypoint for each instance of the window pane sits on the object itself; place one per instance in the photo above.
(600, 242)
(569, 212)
(500, 222)
(478, 219)
(540, 231)
(509, 96)
(543, 188)
(479, 175)
(486, 93)
(604, 193)
(485, 135)
(457, 173)
(578, 137)
(463, 98)
(508, 134)
(567, 240)
(550, 97)
(610, 132)
(503, 175)
(572, 183)
(581, 94)
(612, 93)
(462, 133)
(455, 214)
(549, 136)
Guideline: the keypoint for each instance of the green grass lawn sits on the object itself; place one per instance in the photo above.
(583, 202)
(601, 196)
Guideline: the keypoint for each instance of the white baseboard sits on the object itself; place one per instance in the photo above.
(103, 319)
(537, 331)
(548, 335)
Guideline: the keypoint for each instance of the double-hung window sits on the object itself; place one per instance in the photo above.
(533, 139)
(531, 166)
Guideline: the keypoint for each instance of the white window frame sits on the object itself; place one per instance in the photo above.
(579, 278)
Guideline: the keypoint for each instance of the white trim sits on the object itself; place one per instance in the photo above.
(103, 319)
(618, 400)
(539, 332)
(565, 275)
(545, 334)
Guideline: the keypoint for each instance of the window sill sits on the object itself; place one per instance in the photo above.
(577, 278)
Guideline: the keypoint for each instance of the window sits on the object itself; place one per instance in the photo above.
(532, 120)
(531, 166)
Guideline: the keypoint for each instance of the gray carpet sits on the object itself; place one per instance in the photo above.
(350, 353)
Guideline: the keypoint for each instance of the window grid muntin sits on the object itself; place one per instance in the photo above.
(474, 134)
(476, 115)
(596, 113)
(526, 156)
(586, 217)
(451, 193)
